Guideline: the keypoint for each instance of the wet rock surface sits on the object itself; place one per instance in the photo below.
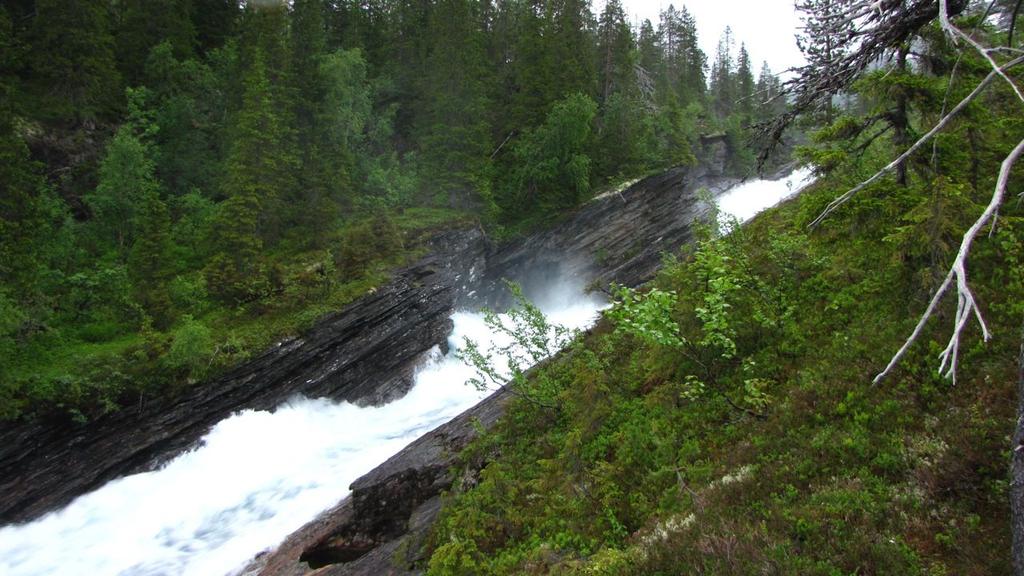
(365, 353)
(618, 237)
(382, 527)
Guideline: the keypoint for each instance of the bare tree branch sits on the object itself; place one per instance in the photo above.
(865, 32)
(955, 32)
(966, 303)
(939, 126)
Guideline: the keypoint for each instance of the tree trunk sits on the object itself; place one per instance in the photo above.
(900, 120)
(1017, 474)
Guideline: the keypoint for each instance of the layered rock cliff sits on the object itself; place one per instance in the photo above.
(364, 353)
(380, 529)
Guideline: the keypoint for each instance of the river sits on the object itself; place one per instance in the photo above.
(257, 476)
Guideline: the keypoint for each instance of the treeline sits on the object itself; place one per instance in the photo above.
(170, 164)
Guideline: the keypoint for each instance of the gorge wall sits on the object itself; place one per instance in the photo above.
(381, 528)
(365, 353)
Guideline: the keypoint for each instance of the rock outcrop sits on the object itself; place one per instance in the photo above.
(365, 353)
(380, 529)
(618, 237)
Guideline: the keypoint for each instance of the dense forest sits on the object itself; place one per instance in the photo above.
(187, 181)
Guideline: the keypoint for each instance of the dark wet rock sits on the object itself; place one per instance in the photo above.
(365, 353)
(619, 237)
(380, 529)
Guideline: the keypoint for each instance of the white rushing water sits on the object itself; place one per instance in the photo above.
(257, 477)
(746, 200)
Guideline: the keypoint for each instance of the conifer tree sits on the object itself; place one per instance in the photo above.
(453, 124)
(723, 89)
(768, 95)
(569, 48)
(144, 24)
(744, 85)
(317, 181)
(263, 150)
(149, 261)
(254, 178)
(214, 22)
(21, 216)
(188, 108)
(73, 70)
(615, 51)
(531, 76)
(682, 77)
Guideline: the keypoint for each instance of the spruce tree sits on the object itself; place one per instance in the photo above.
(615, 51)
(254, 178)
(144, 24)
(263, 139)
(149, 261)
(73, 71)
(723, 89)
(214, 22)
(21, 215)
(744, 85)
(454, 131)
(569, 48)
(768, 95)
(318, 184)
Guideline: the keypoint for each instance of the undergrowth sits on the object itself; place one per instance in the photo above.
(722, 420)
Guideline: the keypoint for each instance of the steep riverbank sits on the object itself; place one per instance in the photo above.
(384, 335)
(381, 529)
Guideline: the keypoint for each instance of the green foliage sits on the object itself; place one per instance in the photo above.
(22, 215)
(624, 143)
(373, 239)
(188, 106)
(257, 166)
(191, 348)
(647, 316)
(143, 24)
(524, 338)
(256, 180)
(552, 169)
(148, 262)
(127, 180)
(454, 128)
(73, 73)
(722, 420)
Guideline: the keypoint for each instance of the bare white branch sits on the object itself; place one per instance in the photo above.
(966, 303)
(939, 126)
(955, 33)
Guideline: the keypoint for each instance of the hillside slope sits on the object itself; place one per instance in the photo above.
(725, 421)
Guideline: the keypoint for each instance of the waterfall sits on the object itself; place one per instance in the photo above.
(258, 476)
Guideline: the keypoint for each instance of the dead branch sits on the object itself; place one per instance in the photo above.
(966, 303)
(865, 32)
(939, 126)
(955, 33)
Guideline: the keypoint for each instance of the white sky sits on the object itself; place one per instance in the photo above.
(767, 27)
